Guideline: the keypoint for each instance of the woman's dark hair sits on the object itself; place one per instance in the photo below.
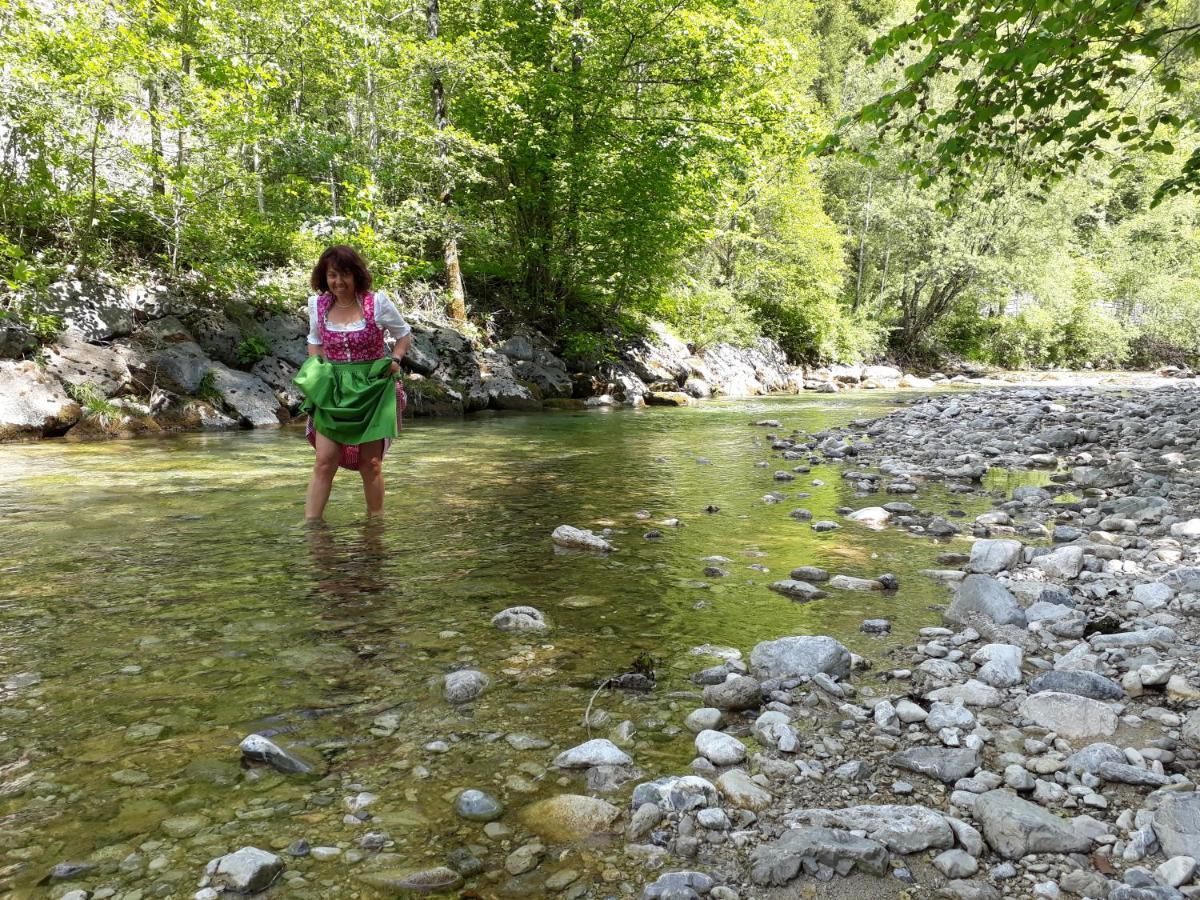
(344, 259)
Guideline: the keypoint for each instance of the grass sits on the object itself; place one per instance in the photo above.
(207, 389)
(94, 404)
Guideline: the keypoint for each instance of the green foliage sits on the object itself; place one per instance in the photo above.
(251, 350)
(93, 402)
(207, 389)
(705, 315)
(1051, 84)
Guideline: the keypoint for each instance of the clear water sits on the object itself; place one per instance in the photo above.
(160, 599)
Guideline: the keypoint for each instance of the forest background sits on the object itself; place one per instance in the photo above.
(732, 167)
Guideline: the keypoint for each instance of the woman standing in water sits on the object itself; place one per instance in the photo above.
(352, 396)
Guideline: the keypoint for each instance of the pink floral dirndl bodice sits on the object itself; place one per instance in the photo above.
(362, 345)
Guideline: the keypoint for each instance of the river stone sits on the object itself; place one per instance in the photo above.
(1078, 682)
(1072, 716)
(809, 573)
(981, 595)
(1190, 733)
(1065, 562)
(989, 557)
(417, 881)
(180, 827)
(774, 729)
(260, 749)
(739, 692)
(873, 516)
(678, 793)
(1016, 828)
(736, 787)
(1091, 757)
(812, 850)
(849, 583)
(1124, 773)
(596, 752)
(477, 806)
(1177, 825)
(464, 685)
(802, 655)
(569, 817)
(246, 871)
(719, 748)
(972, 693)
(797, 590)
(32, 403)
(520, 618)
(580, 538)
(946, 764)
(1000, 664)
(902, 829)
(703, 719)
(678, 886)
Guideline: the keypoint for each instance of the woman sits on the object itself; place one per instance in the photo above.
(351, 393)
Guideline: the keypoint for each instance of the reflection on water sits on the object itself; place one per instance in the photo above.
(161, 598)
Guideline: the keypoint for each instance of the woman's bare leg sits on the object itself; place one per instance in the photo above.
(329, 454)
(370, 466)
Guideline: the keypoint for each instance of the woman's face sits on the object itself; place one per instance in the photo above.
(340, 283)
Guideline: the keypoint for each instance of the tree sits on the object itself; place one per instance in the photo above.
(1043, 84)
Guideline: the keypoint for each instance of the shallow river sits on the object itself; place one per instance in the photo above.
(160, 599)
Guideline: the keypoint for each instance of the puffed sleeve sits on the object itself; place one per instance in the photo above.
(314, 329)
(389, 318)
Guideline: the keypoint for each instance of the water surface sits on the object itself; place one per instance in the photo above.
(160, 599)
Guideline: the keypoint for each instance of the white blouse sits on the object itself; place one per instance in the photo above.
(387, 317)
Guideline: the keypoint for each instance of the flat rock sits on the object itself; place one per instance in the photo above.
(736, 787)
(580, 539)
(1016, 828)
(677, 793)
(1072, 716)
(797, 590)
(902, 829)
(414, 881)
(596, 752)
(1080, 683)
(811, 850)
(33, 403)
(946, 764)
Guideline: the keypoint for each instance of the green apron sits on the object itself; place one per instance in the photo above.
(349, 402)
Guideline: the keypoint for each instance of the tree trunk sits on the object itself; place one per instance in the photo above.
(457, 306)
(158, 184)
(862, 241)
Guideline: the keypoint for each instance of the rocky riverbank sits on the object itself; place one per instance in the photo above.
(136, 360)
(1043, 743)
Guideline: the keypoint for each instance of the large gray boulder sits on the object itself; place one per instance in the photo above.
(32, 403)
(74, 361)
(248, 396)
(494, 384)
(286, 337)
(984, 597)
(546, 371)
(177, 367)
(277, 373)
(660, 356)
(801, 655)
(1016, 828)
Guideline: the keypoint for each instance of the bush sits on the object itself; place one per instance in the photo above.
(250, 351)
(705, 315)
(1072, 335)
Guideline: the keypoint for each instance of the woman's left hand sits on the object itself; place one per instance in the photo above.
(395, 370)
